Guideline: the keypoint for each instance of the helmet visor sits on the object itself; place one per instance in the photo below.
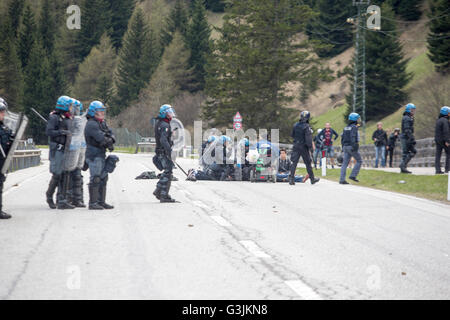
(170, 113)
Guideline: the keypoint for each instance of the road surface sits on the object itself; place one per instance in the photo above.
(224, 240)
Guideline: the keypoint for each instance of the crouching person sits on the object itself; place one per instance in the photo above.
(99, 138)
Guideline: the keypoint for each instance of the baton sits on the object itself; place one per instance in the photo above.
(38, 114)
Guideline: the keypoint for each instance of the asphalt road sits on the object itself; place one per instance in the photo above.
(224, 240)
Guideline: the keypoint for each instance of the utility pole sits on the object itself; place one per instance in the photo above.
(359, 77)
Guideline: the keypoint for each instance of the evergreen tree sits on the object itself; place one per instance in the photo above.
(26, 36)
(176, 21)
(330, 27)
(95, 21)
(198, 41)
(121, 11)
(215, 5)
(138, 59)
(104, 89)
(254, 60)
(101, 62)
(15, 9)
(11, 80)
(47, 26)
(439, 36)
(386, 75)
(407, 9)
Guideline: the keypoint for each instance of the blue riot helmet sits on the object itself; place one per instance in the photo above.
(64, 103)
(445, 111)
(354, 117)
(95, 107)
(410, 107)
(166, 111)
(211, 139)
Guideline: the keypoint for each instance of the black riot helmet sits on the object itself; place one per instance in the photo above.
(305, 116)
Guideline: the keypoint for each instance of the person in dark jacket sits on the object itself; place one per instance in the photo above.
(164, 143)
(318, 143)
(442, 138)
(407, 138)
(392, 141)
(6, 139)
(328, 136)
(379, 138)
(350, 148)
(58, 130)
(302, 147)
(99, 138)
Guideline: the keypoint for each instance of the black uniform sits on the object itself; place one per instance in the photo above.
(58, 130)
(99, 138)
(407, 139)
(302, 148)
(164, 143)
(392, 141)
(442, 136)
(6, 139)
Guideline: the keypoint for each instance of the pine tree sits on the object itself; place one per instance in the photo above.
(254, 60)
(15, 9)
(215, 5)
(407, 9)
(198, 41)
(121, 11)
(104, 89)
(386, 75)
(47, 26)
(101, 62)
(11, 80)
(439, 36)
(138, 59)
(26, 36)
(176, 21)
(95, 21)
(330, 27)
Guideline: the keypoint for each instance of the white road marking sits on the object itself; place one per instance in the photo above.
(302, 290)
(200, 204)
(254, 249)
(185, 192)
(221, 221)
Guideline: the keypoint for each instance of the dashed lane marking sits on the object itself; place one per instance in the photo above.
(303, 290)
(254, 249)
(221, 221)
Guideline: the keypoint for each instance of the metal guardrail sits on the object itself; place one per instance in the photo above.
(26, 156)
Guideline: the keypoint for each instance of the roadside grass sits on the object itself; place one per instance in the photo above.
(420, 66)
(130, 150)
(42, 146)
(428, 187)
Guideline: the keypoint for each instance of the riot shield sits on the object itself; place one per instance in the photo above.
(178, 137)
(73, 148)
(17, 123)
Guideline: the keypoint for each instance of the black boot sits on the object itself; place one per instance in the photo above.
(315, 180)
(62, 203)
(93, 197)
(102, 196)
(51, 190)
(292, 180)
(157, 193)
(4, 215)
(78, 191)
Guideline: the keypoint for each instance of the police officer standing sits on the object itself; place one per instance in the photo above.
(164, 143)
(99, 138)
(6, 139)
(302, 134)
(350, 148)
(442, 138)
(407, 138)
(58, 130)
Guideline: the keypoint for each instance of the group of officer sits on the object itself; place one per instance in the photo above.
(6, 139)
(92, 155)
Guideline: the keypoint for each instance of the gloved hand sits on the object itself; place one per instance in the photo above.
(65, 132)
(108, 142)
(111, 148)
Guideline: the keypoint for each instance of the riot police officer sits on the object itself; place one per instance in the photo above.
(302, 134)
(99, 138)
(407, 137)
(6, 139)
(58, 130)
(350, 148)
(442, 139)
(75, 193)
(164, 143)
